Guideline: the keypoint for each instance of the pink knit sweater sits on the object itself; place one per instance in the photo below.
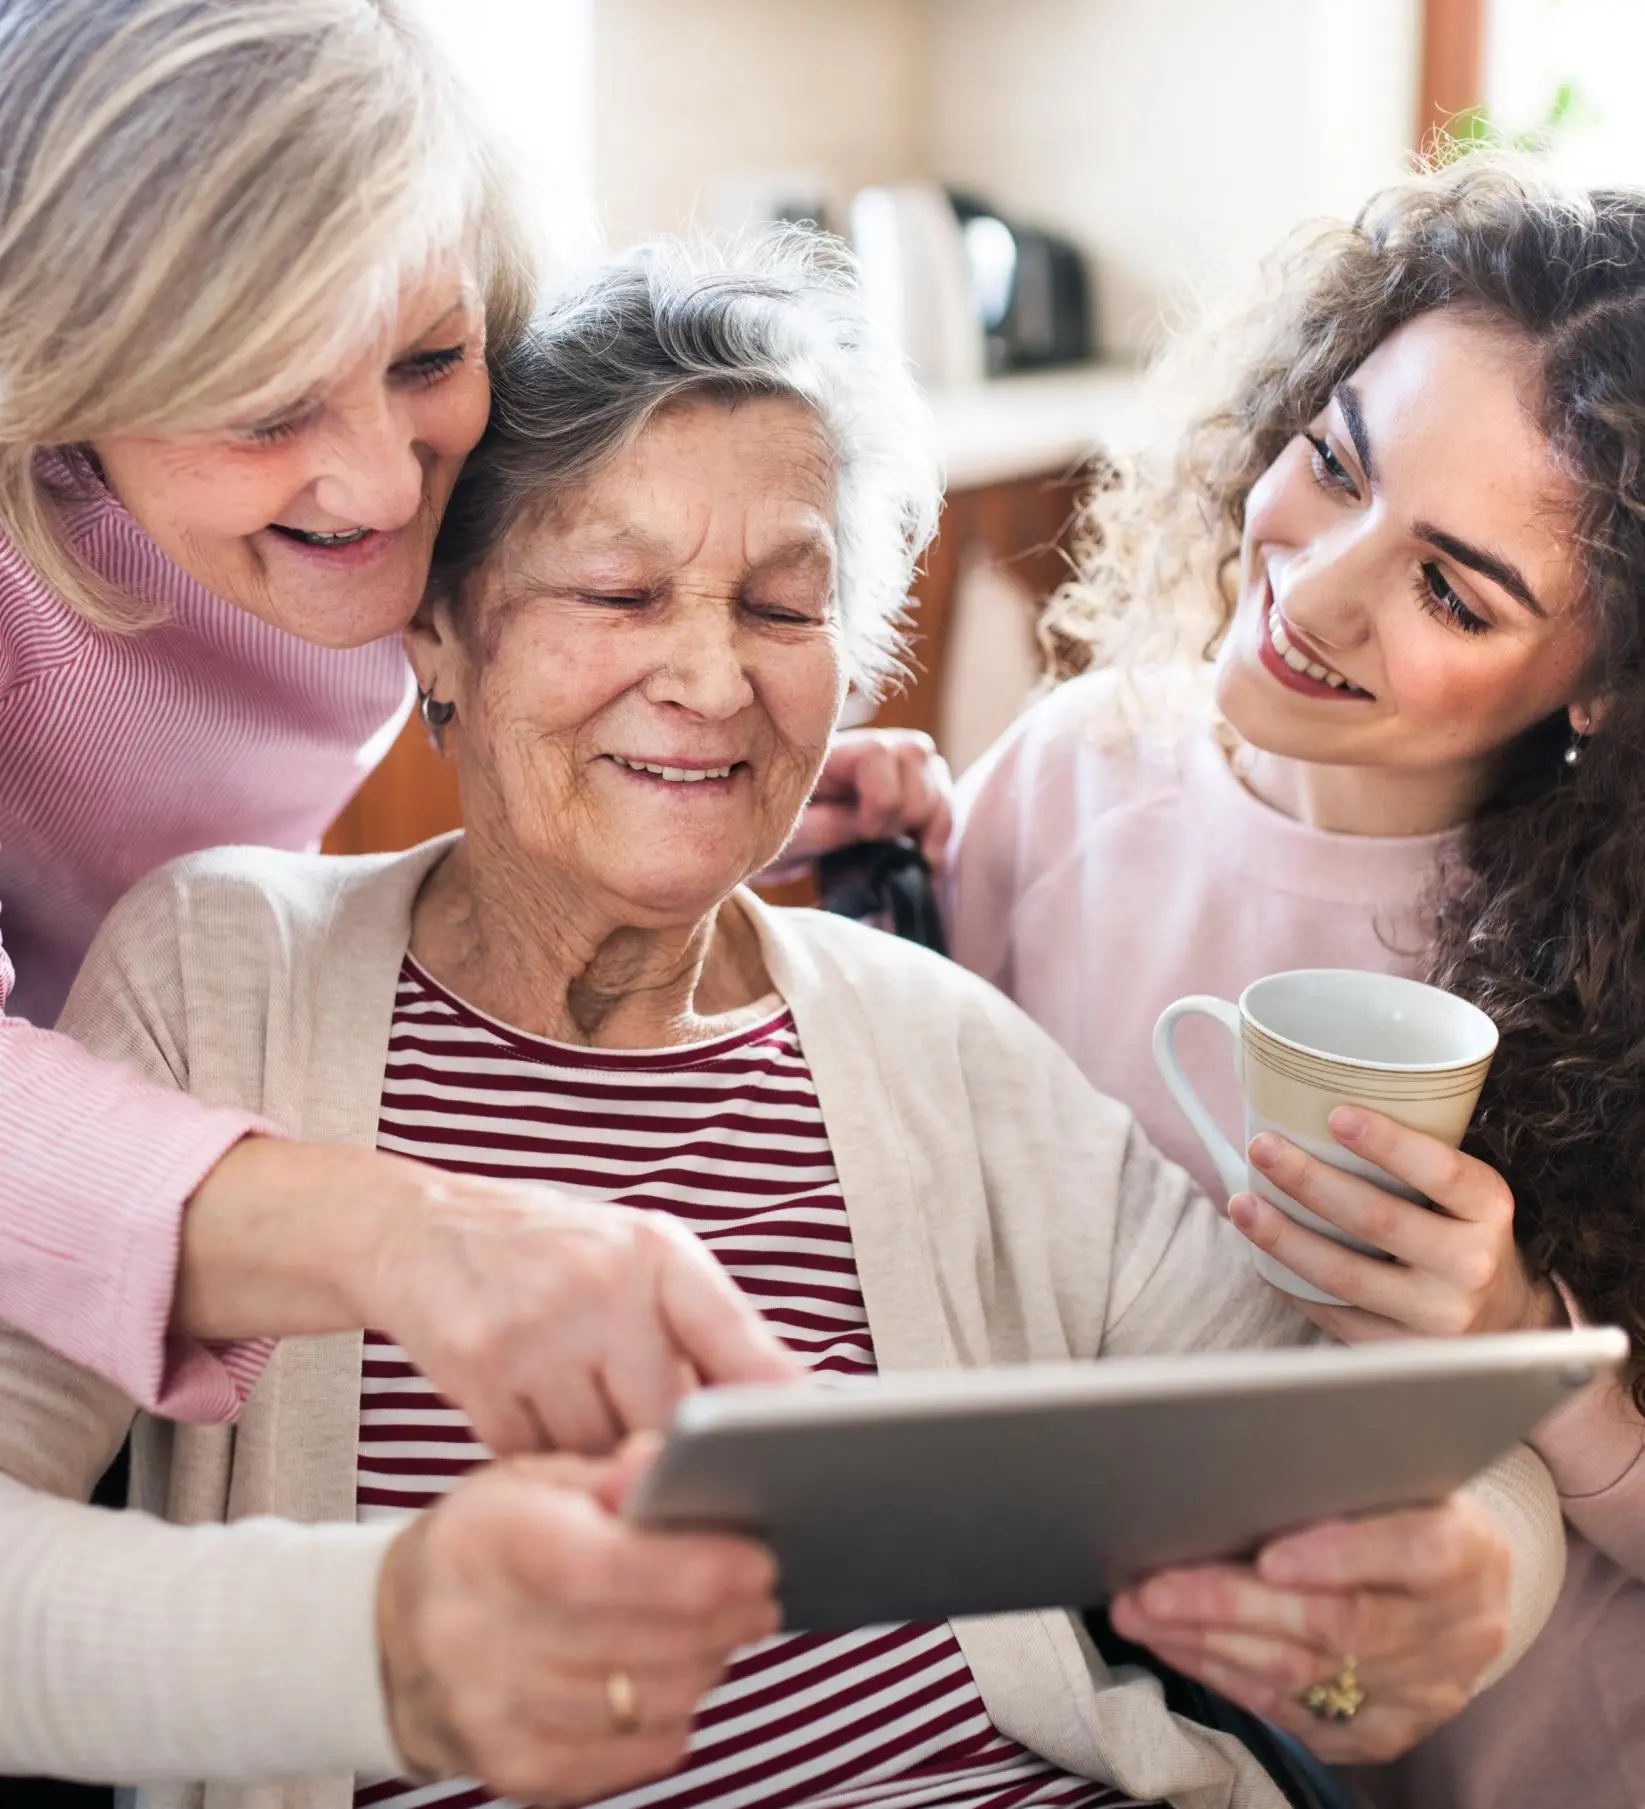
(118, 752)
(1095, 882)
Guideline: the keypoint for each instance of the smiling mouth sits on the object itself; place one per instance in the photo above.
(348, 537)
(1300, 662)
(676, 775)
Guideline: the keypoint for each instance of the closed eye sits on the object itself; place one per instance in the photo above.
(429, 367)
(1436, 595)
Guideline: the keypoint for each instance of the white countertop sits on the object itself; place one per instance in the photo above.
(1033, 423)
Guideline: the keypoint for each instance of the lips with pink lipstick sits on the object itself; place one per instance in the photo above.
(1283, 653)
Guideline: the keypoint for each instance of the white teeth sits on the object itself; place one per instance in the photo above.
(346, 538)
(676, 775)
(1300, 662)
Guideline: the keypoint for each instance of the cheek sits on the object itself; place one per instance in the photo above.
(802, 687)
(1474, 691)
(546, 679)
(198, 496)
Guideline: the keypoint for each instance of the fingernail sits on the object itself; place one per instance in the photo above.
(1242, 1209)
(1348, 1124)
(1265, 1149)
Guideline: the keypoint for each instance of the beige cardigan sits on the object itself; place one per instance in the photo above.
(1001, 1211)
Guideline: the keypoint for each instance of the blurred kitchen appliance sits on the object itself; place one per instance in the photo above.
(1029, 288)
(915, 276)
(968, 291)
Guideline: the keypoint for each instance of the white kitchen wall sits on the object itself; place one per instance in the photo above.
(530, 64)
(1175, 140)
(700, 104)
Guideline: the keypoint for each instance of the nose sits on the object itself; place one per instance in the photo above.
(702, 669)
(372, 469)
(1322, 589)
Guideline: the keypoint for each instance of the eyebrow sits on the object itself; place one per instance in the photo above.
(459, 306)
(1488, 565)
(1346, 398)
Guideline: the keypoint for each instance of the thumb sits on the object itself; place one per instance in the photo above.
(621, 1472)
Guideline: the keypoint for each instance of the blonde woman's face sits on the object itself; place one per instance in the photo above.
(321, 518)
(1407, 597)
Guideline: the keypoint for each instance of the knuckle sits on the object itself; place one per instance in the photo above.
(1451, 1316)
(1451, 1174)
(1478, 1268)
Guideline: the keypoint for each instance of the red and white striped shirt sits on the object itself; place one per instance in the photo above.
(117, 752)
(727, 1135)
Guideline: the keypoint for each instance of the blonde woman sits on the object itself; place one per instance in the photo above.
(253, 261)
(1408, 521)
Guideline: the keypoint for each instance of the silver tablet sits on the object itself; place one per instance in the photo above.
(920, 1496)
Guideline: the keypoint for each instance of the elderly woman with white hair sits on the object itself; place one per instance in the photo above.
(689, 526)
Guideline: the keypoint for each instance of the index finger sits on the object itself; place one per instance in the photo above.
(718, 1330)
(1465, 1187)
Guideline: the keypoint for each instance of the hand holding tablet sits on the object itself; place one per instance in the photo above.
(940, 1494)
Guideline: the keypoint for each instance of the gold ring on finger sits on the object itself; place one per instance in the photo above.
(1338, 1698)
(623, 1701)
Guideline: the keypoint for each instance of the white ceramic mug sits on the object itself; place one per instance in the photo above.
(1309, 1041)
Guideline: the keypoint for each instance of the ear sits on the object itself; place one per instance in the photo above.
(1586, 714)
(431, 646)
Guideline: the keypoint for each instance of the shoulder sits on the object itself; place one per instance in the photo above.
(916, 999)
(1092, 749)
(252, 900)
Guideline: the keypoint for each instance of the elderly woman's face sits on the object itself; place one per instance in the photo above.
(645, 680)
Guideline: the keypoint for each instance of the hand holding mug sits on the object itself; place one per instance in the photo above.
(1307, 1044)
(1455, 1267)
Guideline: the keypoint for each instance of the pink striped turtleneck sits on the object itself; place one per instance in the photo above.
(119, 752)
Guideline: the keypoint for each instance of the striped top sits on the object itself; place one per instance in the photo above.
(728, 1136)
(117, 752)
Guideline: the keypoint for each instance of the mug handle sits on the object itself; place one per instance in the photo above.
(1230, 1164)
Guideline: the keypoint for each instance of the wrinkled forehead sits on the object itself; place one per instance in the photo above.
(751, 481)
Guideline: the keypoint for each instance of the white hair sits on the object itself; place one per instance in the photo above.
(208, 207)
(775, 313)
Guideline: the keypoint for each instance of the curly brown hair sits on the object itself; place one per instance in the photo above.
(1542, 920)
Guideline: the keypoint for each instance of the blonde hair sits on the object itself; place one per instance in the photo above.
(206, 208)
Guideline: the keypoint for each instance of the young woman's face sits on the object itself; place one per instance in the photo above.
(1406, 594)
(321, 518)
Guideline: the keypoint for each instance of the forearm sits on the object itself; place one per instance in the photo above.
(135, 1651)
(96, 1165)
(1519, 1495)
(283, 1239)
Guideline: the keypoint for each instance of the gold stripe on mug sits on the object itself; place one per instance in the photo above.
(1304, 1067)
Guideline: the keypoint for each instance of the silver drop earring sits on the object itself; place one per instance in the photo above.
(1573, 754)
(435, 714)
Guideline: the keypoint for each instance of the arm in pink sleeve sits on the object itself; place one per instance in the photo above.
(96, 1164)
(1595, 1448)
(980, 878)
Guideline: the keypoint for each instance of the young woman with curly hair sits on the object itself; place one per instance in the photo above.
(1357, 678)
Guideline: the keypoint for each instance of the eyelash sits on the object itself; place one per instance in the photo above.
(424, 369)
(1442, 603)
(1329, 471)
